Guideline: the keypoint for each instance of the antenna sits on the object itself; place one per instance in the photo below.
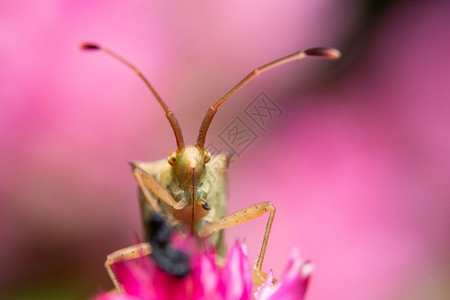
(323, 52)
(169, 114)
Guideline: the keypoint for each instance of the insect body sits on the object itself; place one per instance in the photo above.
(185, 189)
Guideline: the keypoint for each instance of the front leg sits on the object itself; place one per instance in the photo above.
(242, 216)
(147, 182)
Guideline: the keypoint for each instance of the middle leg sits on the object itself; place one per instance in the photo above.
(242, 216)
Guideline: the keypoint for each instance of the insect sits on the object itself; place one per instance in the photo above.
(167, 258)
(186, 188)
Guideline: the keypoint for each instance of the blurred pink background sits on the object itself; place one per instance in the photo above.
(358, 165)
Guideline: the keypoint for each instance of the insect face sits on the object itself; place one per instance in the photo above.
(188, 164)
(188, 170)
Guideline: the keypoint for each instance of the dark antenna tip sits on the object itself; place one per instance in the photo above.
(89, 46)
(169, 114)
(326, 52)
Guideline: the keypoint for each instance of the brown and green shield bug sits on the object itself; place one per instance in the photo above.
(185, 189)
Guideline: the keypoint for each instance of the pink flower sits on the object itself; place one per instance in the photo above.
(293, 284)
(142, 279)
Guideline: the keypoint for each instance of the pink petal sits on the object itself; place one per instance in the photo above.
(205, 278)
(266, 289)
(293, 284)
(136, 277)
(142, 279)
(116, 296)
(236, 275)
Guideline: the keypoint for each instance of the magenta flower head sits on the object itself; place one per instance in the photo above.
(142, 279)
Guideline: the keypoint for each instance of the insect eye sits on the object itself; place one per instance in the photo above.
(207, 156)
(172, 159)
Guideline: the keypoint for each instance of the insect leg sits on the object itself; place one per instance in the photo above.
(242, 216)
(147, 182)
(128, 253)
(167, 258)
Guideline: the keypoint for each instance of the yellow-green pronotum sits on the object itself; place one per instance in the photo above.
(188, 192)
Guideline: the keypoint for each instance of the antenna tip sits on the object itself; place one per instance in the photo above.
(89, 46)
(326, 52)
